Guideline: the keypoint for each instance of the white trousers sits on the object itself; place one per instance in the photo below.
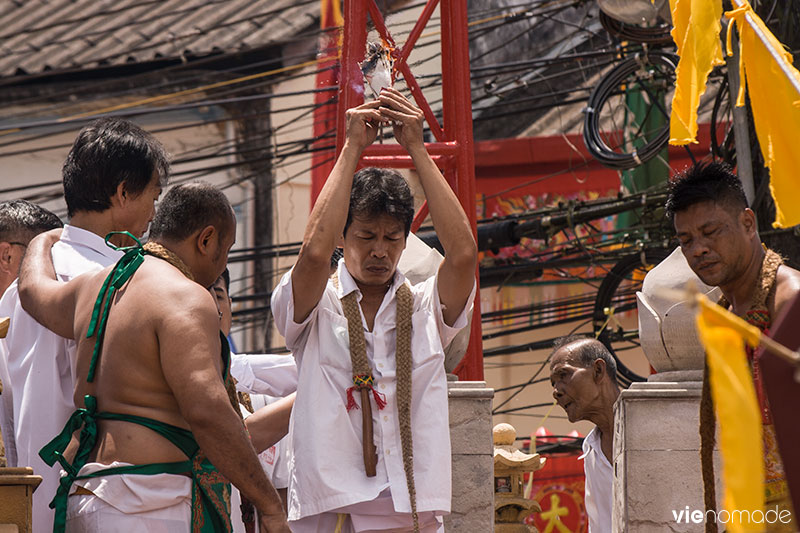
(377, 515)
(159, 503)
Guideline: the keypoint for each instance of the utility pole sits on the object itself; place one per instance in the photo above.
(254, 150)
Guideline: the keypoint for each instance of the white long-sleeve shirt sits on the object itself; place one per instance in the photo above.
(264, 373)
(599, 495)
(326, 461)
(41, 368)
(6, 396)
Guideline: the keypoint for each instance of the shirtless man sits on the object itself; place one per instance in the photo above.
(160, 360)
(719, 238)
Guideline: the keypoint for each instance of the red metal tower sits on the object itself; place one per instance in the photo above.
(453, 149)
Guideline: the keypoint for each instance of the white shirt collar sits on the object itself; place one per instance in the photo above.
(591, 441)
(347, 283)
(77, 236)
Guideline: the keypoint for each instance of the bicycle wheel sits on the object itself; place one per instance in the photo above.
(626, 122)
(723, 143)
(629, 32)
(617, 296)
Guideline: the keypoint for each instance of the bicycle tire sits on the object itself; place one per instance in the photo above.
(610, 83)
(605, 299)
(658, 35)
(724, 148)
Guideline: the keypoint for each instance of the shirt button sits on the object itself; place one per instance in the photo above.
(385, 418)
(380, 365)
(383, 386)
(388, 452)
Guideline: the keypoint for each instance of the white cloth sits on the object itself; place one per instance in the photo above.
(158, 503)
(42, 370)
(599, 495)
(326, 461)
(266, 378)
(6, 396)
(275, 459)
(264, 373)
(366, 517)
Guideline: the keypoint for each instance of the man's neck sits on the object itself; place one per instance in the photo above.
(603, 417)
(739, 292)
(373, 292)
(99, 223)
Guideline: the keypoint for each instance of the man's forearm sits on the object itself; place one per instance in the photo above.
(451, 223)
(327, 218)
(47, 300)
(270, 424)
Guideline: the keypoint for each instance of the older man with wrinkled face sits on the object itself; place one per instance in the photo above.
(583, 376)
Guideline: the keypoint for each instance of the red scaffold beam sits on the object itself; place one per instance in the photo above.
(453, 150)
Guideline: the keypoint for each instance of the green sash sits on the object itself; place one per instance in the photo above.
(211, 504)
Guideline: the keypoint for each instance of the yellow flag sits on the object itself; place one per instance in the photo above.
(738, 414)
(695, 30)
(776, 111)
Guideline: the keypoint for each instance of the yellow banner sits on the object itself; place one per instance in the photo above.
(738, 414)
(695, 30)
(776, 109)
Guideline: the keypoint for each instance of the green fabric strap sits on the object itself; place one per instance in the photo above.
(86, 420)
(122, 272)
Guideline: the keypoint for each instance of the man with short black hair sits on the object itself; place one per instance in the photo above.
(20, 221)
(151, 367)
(583, 374)
(364, 339)
(718, 235)
(112, 177)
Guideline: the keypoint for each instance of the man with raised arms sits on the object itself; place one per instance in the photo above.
(150, 380)
(366, 341)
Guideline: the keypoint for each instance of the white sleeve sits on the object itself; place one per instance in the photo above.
(282, 307)
(430, 298)
(264, 373)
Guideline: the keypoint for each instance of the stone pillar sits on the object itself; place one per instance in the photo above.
(16, 498)
(657, 423)
(473, 462)
(657, 459)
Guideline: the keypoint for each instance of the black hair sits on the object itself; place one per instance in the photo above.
(109, 152)
(20, 221)
(379, 191)
(189, 207)
(589, 352)
(226, 279)
(705, 182)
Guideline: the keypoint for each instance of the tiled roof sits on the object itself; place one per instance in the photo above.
(54, 35)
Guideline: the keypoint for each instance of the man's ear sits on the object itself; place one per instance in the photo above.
(598, 369)
(120, 196)
(205, 238)
(5, 258)
(748, 221)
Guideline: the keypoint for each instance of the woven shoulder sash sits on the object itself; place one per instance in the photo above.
(362, 374)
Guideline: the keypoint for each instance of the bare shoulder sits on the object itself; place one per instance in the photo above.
(787, 286)
(167, 293)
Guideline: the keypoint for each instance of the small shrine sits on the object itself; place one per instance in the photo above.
(511, 507)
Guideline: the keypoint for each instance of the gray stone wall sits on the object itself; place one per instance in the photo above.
(473, 457)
